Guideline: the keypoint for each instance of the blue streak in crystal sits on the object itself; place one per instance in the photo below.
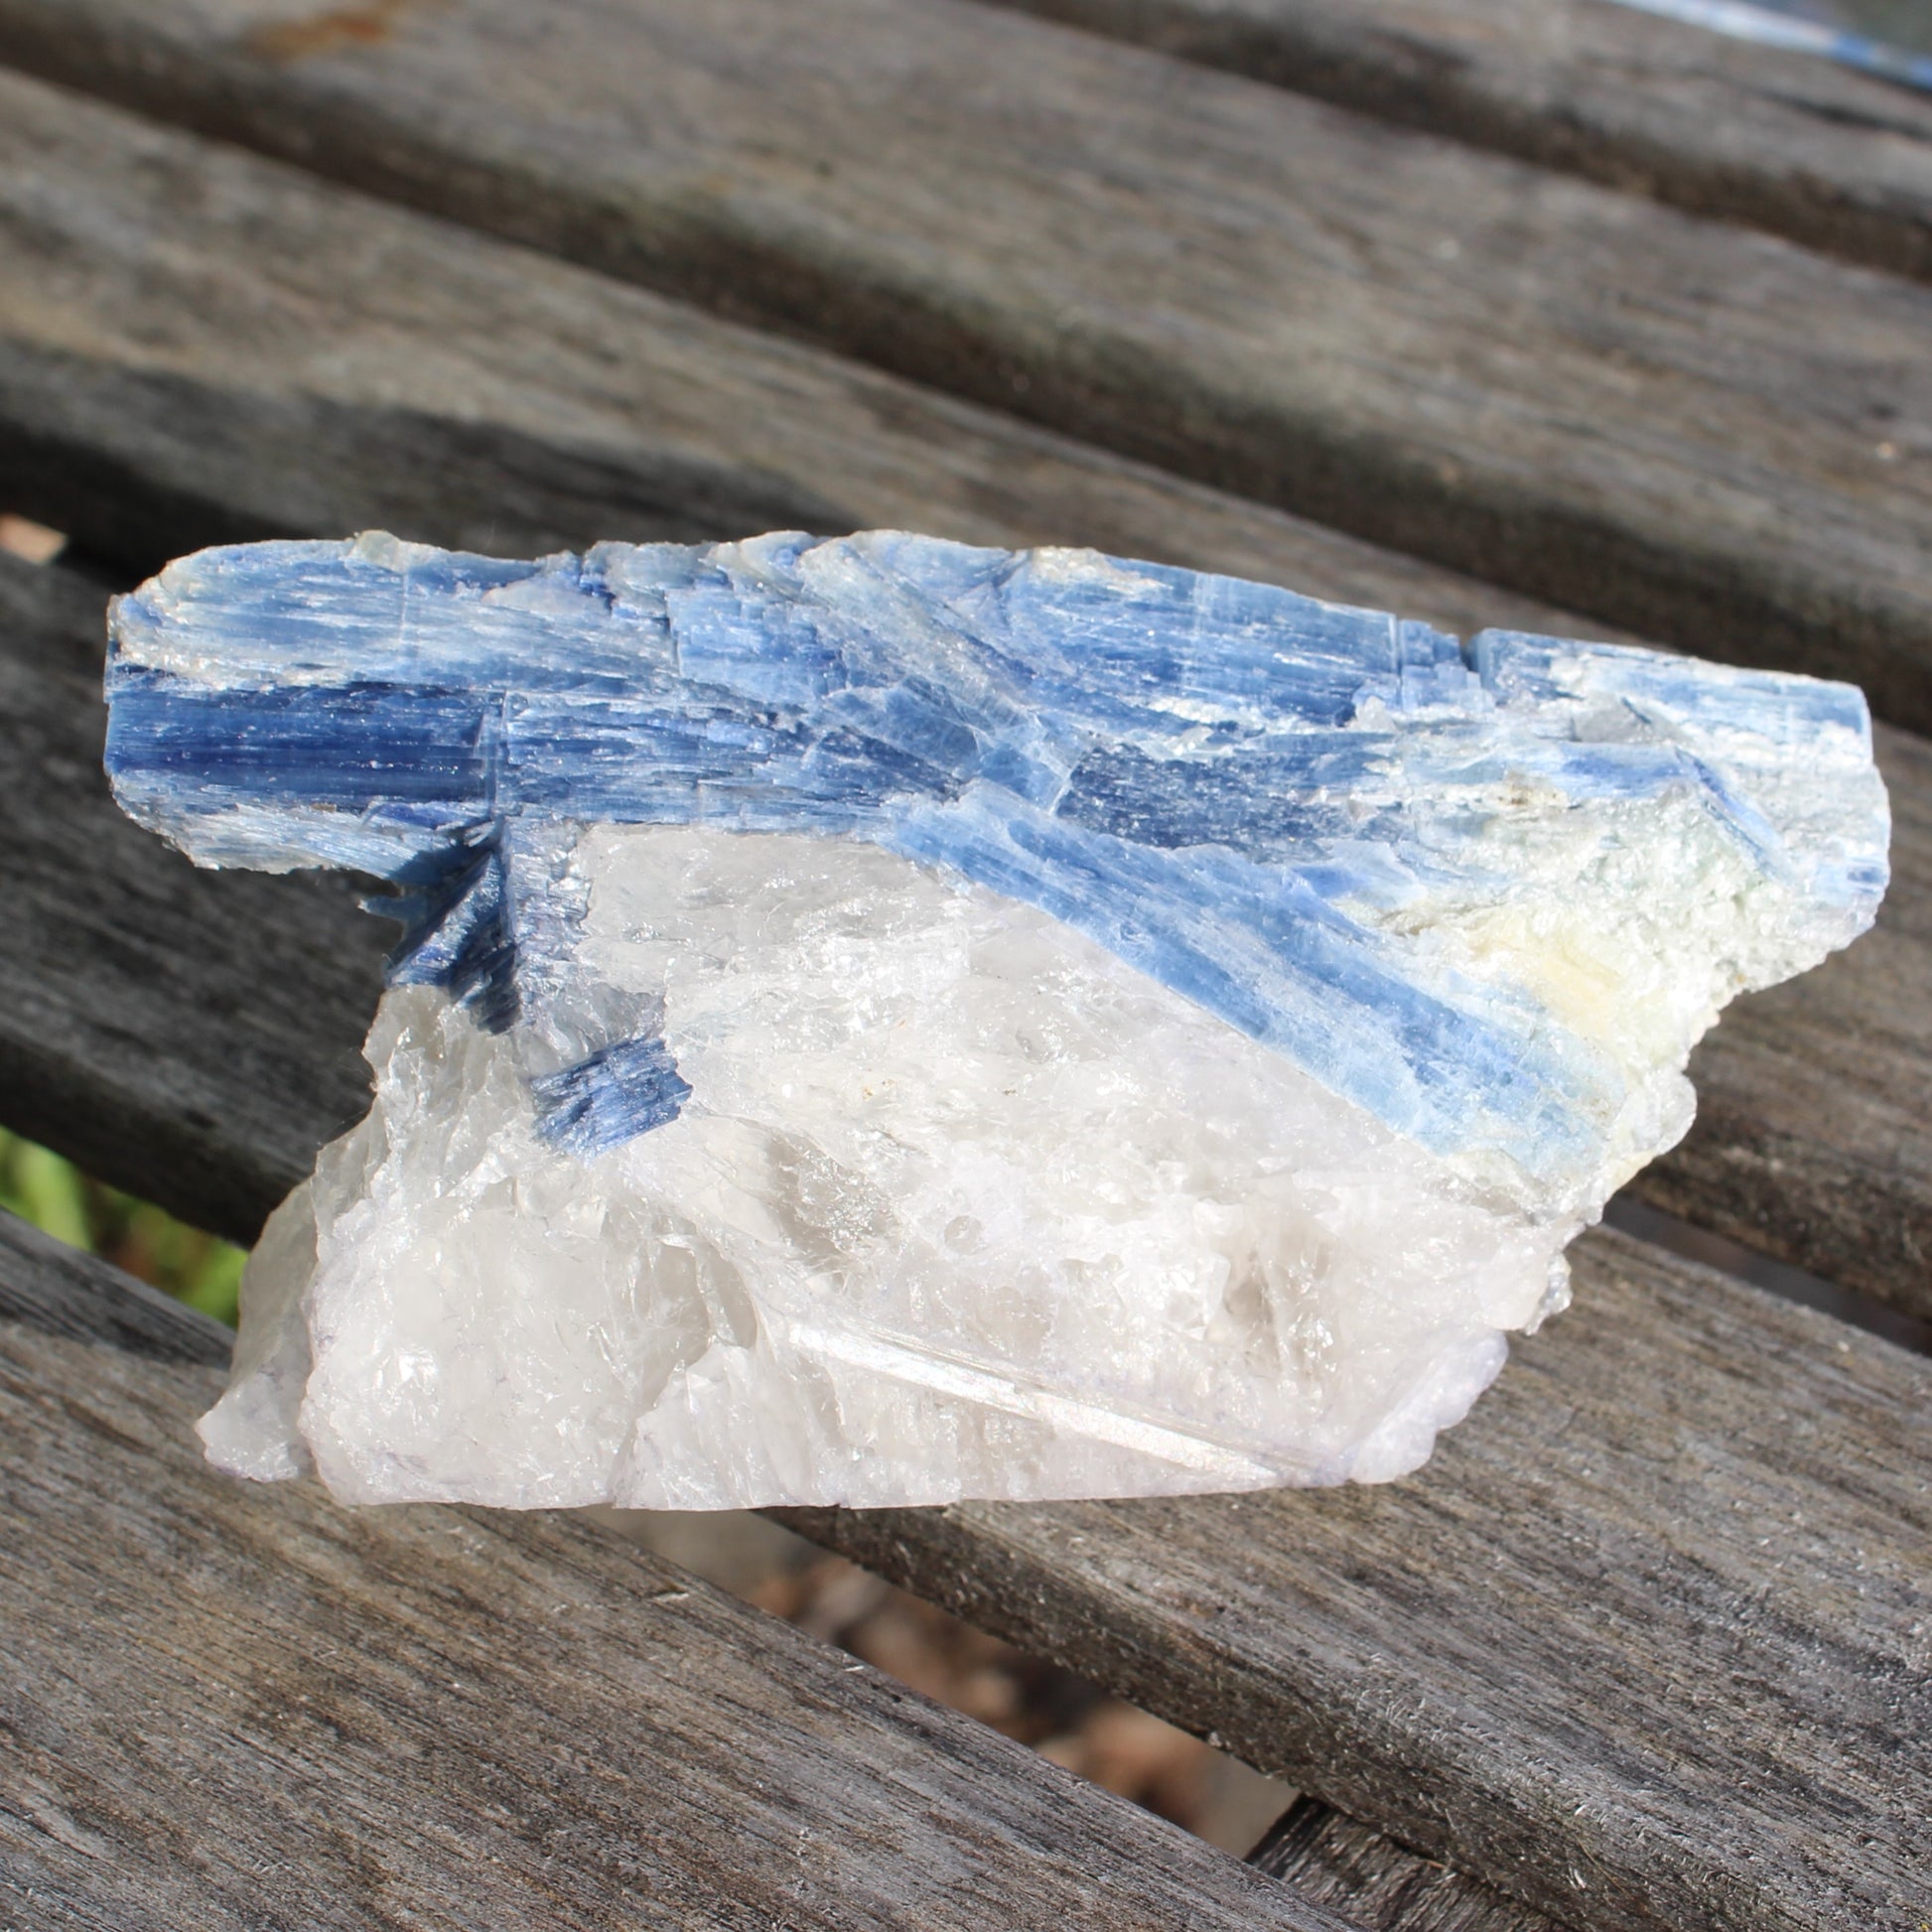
(1209, 777)
(1793, 25)
(608, 1097)
(458, 932)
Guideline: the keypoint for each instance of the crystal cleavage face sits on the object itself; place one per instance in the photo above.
(880, 1021)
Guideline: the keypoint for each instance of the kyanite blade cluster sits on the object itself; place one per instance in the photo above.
(880, 1021)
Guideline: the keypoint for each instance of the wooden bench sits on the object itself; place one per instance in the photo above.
(1649, 1642)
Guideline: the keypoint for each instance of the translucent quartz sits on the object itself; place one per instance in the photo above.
(883, 1022)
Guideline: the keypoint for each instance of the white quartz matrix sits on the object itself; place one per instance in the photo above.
(972, 1191)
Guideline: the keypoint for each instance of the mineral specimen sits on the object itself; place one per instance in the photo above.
(880, 1021)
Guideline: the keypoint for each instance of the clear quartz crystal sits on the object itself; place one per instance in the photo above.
(861, 1136)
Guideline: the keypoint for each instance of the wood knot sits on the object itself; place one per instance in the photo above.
(368, 24)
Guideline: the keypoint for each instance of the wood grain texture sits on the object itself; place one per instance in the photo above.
(193, 1036)
(1694, 430)
(1322, 1856)
(1340, 1862)
(198, 346)
(1803, 147)
(228, 1705)
(1625, 1584)
(1814, 1098)
(1469, 1783)
(1590, 1618)
(58, 1290)
(176, 317)
(1648, 1643)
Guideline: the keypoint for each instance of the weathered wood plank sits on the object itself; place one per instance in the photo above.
(175, 318)
(1648, 1642)
(1594, 1598)
(1338, 1862)
(58, 1290)
(224, 1704)
(1695, 429)
(179, 320)
(1805, 148)
(192, 1035)
(1467, 1654)
(1450, 1644)
(1493, 1522)
(1814, 1098)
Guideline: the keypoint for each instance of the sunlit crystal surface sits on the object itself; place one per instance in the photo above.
(882, 1021)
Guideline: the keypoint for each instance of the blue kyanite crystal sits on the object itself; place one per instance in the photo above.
(880, 1021)
(1256, 798)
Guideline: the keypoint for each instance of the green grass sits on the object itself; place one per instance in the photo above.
(57, 1196)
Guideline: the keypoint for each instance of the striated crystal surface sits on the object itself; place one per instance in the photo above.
(880, 1021)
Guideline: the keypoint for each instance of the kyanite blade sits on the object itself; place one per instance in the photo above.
(1127, 848)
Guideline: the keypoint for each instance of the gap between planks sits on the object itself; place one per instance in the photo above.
(1647, 1643)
